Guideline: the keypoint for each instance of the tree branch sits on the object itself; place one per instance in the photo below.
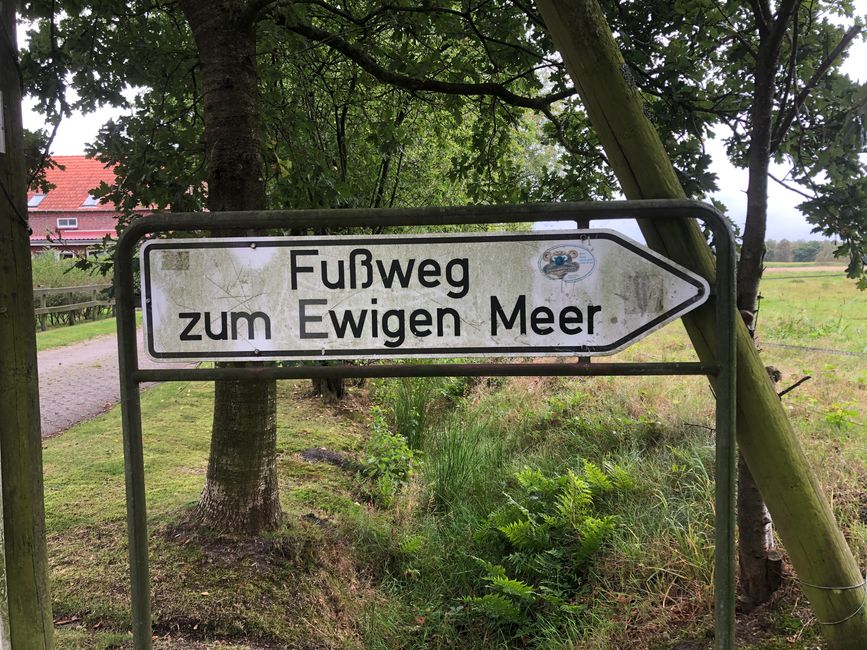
(735, 33)
(791, 70)
(254, 8)
(559, 131)
(789, 187)
(761, 14)
(794, 386)
(785, 120)
(400, 80)
(780, 25)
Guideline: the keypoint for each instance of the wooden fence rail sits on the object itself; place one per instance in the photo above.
(67, 312)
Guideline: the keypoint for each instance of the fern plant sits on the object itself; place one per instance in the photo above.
(549, 531)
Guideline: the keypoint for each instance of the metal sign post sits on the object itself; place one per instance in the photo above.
(506, 294)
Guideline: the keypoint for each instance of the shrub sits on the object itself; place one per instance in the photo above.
(49, 271)
(388, 461)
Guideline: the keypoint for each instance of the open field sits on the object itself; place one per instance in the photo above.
(800, 268)
(818, 311)
(395, 543)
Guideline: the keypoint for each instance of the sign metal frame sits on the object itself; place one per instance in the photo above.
(722, 373)
(156, 280)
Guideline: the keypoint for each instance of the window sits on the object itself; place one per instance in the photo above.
(67, 222)
(66, 255)
(35, 200)
(90, 201)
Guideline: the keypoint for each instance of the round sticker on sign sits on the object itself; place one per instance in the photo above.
(568, 263)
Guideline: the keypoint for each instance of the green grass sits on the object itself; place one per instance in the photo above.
(207, 586)
(59, 337)
(662, 544)
(823, 311)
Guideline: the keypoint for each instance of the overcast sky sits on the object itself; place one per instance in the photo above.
(784, 220)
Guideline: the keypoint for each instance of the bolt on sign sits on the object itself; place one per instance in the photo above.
(585, 292)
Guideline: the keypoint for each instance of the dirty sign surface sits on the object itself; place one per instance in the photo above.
(586, 292)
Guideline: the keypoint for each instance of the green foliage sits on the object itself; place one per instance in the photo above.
(549, 532)
(51, 271)
(801, 326)
(56, 273)
(703, 65)
(463, 460)
(498, 607)
(841, 415)
(801, 250)
(35, 144)
(560, 406)
(806, 252)
(332, 134)
(388, 462)
(409, 401)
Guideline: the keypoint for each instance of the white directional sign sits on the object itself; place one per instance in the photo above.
(585, 292)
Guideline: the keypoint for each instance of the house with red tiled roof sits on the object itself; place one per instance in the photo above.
(68, 219)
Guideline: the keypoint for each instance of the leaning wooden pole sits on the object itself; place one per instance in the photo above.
(29, 614)
(826, 567)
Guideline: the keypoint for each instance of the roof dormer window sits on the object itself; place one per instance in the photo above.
(35, 200)
(90, 201)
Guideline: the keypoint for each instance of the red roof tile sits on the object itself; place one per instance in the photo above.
(73, 184)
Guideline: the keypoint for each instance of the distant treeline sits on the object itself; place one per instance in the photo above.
(801, 250)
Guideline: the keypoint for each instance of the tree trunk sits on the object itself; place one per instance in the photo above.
(25, 602)
(804, 519)
(753, 245)
(240, 491)
(331, 389)
(758, 561)
(760, 564)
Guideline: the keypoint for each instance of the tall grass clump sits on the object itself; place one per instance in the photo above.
(464, 460)
(409, 403)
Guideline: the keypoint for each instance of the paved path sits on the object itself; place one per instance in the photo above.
(80, 381)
